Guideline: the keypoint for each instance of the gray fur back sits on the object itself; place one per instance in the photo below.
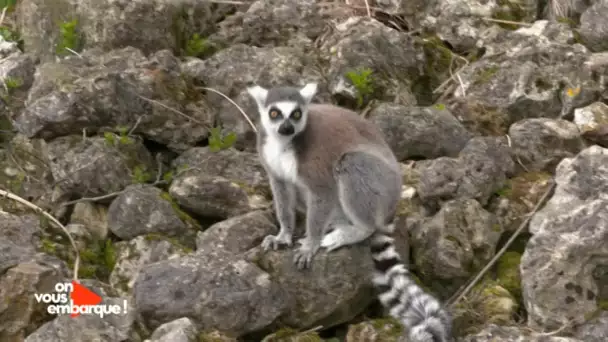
(331, 132)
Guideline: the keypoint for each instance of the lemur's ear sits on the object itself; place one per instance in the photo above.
(308, 92)
(259, 94)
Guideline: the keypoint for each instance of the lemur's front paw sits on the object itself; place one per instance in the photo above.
(305, 253)
(275, 241)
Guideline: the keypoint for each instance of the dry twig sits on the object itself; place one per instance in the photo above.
(501, 21)
(39, 210)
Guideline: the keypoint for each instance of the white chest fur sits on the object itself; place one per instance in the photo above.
(280, 160)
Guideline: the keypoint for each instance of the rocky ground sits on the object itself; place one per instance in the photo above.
(119, 119)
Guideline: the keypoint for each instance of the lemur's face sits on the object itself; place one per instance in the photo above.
(283, 111)
(286, 118)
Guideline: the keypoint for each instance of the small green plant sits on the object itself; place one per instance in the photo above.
(363, 82)
(196, 45)
(168, 177)
(7, 3)
(7, 86)
(217, 142)
(122, 138)
(98, 260)
(141, 175)
(69, 37)
(12, 83)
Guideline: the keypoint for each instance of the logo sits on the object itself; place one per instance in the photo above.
(75, 299)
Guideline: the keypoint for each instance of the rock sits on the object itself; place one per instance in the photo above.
(496, 333)
(19, 311)
(91, 327)
(481, 168)
(93, 217)
(514, 81)
(237, 234)
(96, 167)
(561, 267)
(144, 209)
(273, 23)
(565, 10)
(133, 255)
(231, 70)
(518, 198)
(592, 121)
(423, 132)
(291, 335)
(240, 167)
(179, 330)
(540, 144)
(116, 91)
(24, 171)
(459, 22)
(486, 303)
(19, 236)
(379, 330)
(595, 330)
(335, 290)
(220, 184)
(594, 30)
(217, 291)
(160, 24)
(362, 53)
(213, 196)
(454, 244)
(16, 72)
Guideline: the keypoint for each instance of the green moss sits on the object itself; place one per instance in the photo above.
(603, 304)
(406, 207)
(180, 213)
(196, 46)
(487, 303)
(97, 260)
(291, 335)
(438, 59)
(48, 246)
(484, 75)
(388, 326)
(175, 242)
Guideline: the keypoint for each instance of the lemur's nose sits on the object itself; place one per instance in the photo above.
(286, 128)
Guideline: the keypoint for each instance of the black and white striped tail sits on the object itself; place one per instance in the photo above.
(421, 314)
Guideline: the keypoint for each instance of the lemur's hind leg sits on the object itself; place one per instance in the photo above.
(343, 235)
(368, 191)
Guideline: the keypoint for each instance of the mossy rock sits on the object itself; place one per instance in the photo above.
(173, 241)
(97, 257)
(291, 335)
(215, 336)
(378, 330)
(487, 303)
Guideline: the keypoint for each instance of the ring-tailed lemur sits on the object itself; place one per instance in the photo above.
(351, 182)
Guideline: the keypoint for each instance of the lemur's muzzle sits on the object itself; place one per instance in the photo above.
(286, 128)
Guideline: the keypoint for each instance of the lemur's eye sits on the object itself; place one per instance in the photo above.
(274, 113)
(296, 114)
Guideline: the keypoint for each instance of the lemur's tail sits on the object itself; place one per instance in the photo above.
(421, 314)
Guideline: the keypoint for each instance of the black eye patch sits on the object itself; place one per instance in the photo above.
(275, 114)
